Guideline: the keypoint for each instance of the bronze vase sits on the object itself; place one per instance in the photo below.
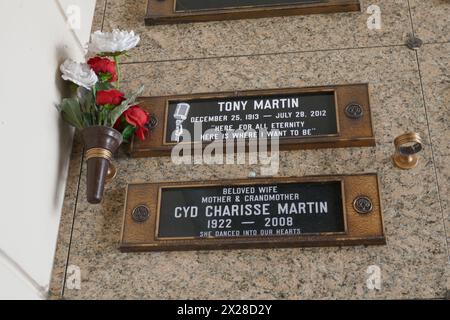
(100, 144)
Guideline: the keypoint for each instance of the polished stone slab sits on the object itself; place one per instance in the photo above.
(100, 7)
(431, 20)
(413, 263)
(260, 36)
(435, 61)
(297, 70)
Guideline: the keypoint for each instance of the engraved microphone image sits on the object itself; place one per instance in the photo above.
(180, 115)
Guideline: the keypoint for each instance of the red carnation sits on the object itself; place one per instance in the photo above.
(111, 97)
(104, 66)
(137, 118)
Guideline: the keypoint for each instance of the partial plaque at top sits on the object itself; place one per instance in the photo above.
(181, 11)
(300, 118)
(190, 5)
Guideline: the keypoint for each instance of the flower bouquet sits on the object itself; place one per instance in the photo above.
(105, 115)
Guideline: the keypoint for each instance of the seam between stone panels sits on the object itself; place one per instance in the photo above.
(430, 137)
(262, 54)
(436, 42)
(104, 14)
(411, 19)
(73, 224)
(276, 53)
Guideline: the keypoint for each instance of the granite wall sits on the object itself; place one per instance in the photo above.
(409, 91)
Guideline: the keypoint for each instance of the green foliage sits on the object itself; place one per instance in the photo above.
(100, 115)
(88, 107)
(71, 112)
(128, 132)
(104, 77)
(100, 86)
(82, 111)
(104, 117)
(126, 104)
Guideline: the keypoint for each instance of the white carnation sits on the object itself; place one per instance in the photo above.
(79, 73)
(113, 42)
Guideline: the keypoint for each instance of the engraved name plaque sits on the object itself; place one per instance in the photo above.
(283, 212)
(323, 117)
(292, 115)
(180, 11)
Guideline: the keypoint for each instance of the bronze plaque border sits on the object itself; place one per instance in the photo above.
(351, 132)
(361, 229)
(163, 12)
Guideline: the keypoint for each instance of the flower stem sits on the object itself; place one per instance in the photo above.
(93, 108)
(117, 61)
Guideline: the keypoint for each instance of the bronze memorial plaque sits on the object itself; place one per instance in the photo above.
(180, 11)
(257, 213)
(302, 118)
